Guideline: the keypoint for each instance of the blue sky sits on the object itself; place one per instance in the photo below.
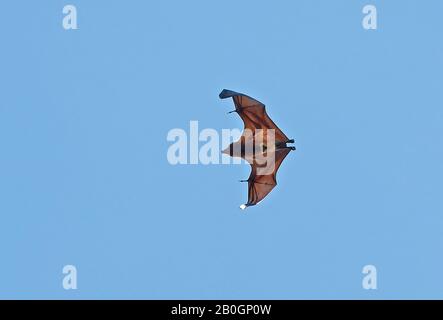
(84, 178)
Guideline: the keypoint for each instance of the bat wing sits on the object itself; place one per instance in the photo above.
(259, 186)
(253, 113)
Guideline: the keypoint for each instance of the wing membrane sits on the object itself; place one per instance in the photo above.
(259, 186)
(253, 113)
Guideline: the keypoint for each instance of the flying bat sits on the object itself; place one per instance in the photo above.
(262, 144)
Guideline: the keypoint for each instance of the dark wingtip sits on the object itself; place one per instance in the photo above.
(247, 205)
(226, 94)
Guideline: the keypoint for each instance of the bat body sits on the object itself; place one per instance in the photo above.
(263, 145)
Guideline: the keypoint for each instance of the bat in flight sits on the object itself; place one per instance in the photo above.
(262, 144)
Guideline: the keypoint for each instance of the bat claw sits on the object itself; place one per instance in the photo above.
(243, 206)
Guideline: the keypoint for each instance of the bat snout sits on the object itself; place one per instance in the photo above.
(226, 151)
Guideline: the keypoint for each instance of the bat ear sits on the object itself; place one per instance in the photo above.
(243, 206)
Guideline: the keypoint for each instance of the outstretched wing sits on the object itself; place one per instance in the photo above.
(259, 186)
(253, 113)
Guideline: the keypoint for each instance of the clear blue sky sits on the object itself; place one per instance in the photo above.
(84, 178)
